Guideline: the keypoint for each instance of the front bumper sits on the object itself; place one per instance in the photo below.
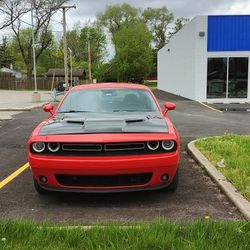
(158, 165)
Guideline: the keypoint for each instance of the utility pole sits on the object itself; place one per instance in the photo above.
(89, 55)
(65, 46)
(35, 95)
(71, 67)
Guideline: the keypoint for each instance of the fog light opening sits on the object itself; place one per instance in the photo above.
(164, 177)
(43, 179)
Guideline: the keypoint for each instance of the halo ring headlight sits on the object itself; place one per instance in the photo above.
(168, 145)
(38, 147)
(153, 145)
(53, 146)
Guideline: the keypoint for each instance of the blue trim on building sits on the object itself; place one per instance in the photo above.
(228, 33)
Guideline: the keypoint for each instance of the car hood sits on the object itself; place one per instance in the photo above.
(90, 123)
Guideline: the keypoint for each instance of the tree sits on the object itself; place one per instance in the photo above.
(44, 10)
(97, 40)
(52, 57)
(75, 44)
(158, 21)
(116, 16)
(23, 43)
(78, 39)
(178, 24)
(119, 20)
(6, 57)
(105, 72)
(133, 51)
(12, 10)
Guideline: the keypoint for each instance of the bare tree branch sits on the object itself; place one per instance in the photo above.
(11, 10)
(43, 11)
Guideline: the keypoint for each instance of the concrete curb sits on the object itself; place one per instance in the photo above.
(240, 202)
(28, 108)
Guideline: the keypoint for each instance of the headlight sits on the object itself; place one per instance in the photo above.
(53, 146)
(38, 147)
(153, 145)
(168, 145)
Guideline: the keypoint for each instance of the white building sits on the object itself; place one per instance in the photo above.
(14, 73)
(208, 60)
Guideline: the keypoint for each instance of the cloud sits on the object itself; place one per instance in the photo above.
(87, 10)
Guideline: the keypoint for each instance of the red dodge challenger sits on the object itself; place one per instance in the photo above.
(109, 137)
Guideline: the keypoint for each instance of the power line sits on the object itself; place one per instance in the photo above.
(54, 20)
(22, 21)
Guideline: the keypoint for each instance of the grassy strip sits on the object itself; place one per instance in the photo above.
(235, 150)
(159, 235)
(150, 84)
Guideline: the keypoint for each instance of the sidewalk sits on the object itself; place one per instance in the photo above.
(13, 102)
(231, 107)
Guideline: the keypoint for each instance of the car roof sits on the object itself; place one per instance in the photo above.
(110, 85)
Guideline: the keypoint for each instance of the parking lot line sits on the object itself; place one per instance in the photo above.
(13, 175)
(207, 106)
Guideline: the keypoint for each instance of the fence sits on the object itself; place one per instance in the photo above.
(28, 84)
(25, 84)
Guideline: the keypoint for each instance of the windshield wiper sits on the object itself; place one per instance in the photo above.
(74, 111)
(124, 110)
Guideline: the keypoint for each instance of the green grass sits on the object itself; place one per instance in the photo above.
(56, 102)
(235, 150)
(204, 234)
(150, 84)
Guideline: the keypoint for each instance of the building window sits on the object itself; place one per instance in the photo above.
(217, 77)
(237, 78)
(227, 77)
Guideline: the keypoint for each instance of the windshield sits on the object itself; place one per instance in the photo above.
(108, 100)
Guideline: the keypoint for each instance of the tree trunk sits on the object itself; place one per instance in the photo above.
(29, 68)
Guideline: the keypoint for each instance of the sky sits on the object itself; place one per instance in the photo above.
(88, 9)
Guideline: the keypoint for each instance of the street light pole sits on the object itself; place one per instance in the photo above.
(65, 46)
(66, 77)
(36, 95)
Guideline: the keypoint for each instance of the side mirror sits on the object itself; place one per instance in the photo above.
(49, 108)
(168, 106)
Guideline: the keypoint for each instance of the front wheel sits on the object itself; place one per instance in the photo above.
(38, 188)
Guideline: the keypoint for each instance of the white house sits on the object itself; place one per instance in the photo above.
(14, 73)
(208, 60)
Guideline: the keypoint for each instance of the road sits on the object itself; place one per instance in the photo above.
(196, 197)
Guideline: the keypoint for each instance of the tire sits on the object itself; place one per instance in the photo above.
(38, 188)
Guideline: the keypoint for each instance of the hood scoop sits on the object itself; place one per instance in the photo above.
(106, 124)
(75, 120)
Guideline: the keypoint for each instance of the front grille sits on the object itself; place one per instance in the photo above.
(103, 180)
(82, 147)
(102, 149)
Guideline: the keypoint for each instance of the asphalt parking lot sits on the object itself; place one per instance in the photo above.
(196, 197)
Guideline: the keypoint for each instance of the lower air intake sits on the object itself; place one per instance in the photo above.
(103, 180)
